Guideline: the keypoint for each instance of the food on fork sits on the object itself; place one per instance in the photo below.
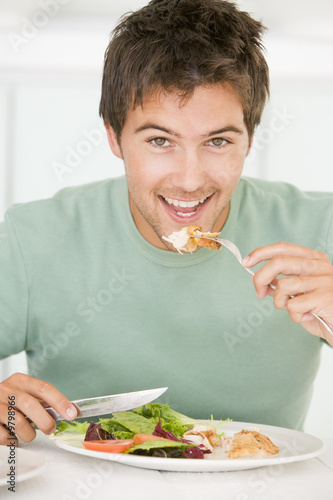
(247, 442)
(191, 237)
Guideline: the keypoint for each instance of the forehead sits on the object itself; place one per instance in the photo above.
(204, 106)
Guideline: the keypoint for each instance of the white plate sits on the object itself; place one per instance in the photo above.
(294, 446)
(27, 464)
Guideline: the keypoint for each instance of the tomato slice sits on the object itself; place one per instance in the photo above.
(142, 438)
(108, 445)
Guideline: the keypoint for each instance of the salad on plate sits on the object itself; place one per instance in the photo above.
(156, 430)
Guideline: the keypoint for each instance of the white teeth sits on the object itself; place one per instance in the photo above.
(189, 204)
(184, 204)
(185, 215)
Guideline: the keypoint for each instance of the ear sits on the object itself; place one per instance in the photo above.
(113, 141)
(250, 146)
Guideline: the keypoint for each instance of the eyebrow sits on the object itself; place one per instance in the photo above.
(148, 126)
(227, 128)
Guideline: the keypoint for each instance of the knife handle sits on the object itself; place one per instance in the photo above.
(55, 415)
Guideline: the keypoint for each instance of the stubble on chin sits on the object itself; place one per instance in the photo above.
(150, 225)
(146, 223)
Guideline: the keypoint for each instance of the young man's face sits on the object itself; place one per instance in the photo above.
(182, 161)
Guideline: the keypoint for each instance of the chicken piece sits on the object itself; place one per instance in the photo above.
(188, 238)
(211, 245)
(203, 434)
(194, 229)
(199, 439)
(246, 443)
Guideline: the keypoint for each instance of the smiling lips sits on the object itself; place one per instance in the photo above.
(184, 208)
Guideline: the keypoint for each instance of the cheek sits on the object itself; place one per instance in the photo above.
(142, 175)
(229, 172)
(145, 169)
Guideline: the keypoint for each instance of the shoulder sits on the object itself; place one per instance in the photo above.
(71, 216)
(67, 202)
(278, 211)
(281, 192)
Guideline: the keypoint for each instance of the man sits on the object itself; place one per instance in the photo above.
(102, 304)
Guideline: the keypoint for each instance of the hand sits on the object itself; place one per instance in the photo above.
(307, 285)
(27, 395)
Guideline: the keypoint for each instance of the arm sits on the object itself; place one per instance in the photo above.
(307, 285)
(22, 395)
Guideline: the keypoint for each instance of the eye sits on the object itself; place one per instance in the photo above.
(159, 141)
(218, 142)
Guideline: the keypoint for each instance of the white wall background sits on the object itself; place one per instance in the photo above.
(51, 56)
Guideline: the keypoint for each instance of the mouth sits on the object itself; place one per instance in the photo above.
(181, 210)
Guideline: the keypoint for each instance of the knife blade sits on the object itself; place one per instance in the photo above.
(92, 407)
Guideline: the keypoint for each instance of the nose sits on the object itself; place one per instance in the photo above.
(189, 173)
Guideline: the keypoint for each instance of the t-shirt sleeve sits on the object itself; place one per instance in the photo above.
(329, 241)
(329, 250)
(13, 292)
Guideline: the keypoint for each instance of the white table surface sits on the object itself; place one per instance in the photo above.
(69, 476)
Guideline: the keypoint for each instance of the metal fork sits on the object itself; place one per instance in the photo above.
(235, 251)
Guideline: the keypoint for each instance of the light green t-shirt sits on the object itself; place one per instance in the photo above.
(99, 310)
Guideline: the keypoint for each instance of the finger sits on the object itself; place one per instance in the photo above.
(6, 437)
(286, 265)
(291, 286)
(299, 307)
(47, 392)
(17, 425)
(302, 285)
(308, 317)
(28, 406)
(268, 252)
(296, 309)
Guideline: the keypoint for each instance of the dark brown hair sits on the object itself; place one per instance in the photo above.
(178, 45)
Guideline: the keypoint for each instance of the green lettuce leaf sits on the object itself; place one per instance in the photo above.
(73, 426)
(140, 420)
(114, 427)
(148, 445)
(171, 420)
(134, 422)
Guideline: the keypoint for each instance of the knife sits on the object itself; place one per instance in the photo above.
(92, 407)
